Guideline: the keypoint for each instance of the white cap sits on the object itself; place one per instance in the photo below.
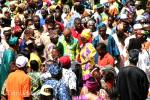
(137, 26)
(21, 61)
(140, 17)
(45, 90)
(123, 16)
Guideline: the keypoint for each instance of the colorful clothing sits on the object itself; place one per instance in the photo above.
(20, 87)
(69, 78)
(70, 49)
(87, 53)
(106, 60)
(61, 91)
(35, 85)
(111, 45)
(8, 57)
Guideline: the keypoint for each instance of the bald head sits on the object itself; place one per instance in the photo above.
(67, 34)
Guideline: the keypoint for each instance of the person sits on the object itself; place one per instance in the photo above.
(61, 91)
(70, 43)
(8, 57)
(104, 57)
(36, 20)
(77, 29)
(35, 80)
(20, 89)
(87, 54)
(107, 39)
(99, 10)
(90, 89)
(53, 34)
(132, 82)
(68, 76)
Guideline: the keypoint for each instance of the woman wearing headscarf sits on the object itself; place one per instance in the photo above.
(90, 90)
(87, 53)
(8, 57)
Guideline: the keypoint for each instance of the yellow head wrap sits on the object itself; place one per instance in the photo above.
(86, 33)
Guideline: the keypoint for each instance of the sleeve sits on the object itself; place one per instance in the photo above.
(26, 88)
(77, 49)
(115, 50)
(92, 51)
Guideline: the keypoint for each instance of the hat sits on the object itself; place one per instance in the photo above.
(140, 17)
(137, 26)
(54, 69)
(65, 61)
(123, 16)
(101, 25)
(99, 6)
(46, 90)
(86, 33)
(137, 2)
(21, 61)
(13, 41)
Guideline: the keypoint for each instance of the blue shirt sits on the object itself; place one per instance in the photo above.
(61, 91)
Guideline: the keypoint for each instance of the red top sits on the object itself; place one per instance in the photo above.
(106, 60)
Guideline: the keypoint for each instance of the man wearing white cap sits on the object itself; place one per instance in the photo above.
(137, 30)
(20, 89)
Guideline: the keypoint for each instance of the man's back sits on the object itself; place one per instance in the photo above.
(18, 85)
(132, 84)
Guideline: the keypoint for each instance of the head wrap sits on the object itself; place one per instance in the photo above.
(92, 85)
(54, 70)
(99, 6)
(65, 61)
(101, 25)
(13, 41)
(137, 26)
(86, 33)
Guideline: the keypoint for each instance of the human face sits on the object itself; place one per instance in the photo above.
(36, 22)
(17, 21)
(96, 74)
(91, 25)
(67, 35)
(102, 31)
(78, 25)
(100, 51)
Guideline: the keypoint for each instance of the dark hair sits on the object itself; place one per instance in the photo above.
(133, 56)
(34, 65)
(101, 46)
(27, 21)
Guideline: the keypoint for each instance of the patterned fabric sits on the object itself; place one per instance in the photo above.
(61, 91)
(87, 53)
(35, 84)
(70, 49)
(69, 78)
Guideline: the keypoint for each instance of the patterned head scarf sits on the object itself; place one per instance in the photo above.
(86, 33)
(55, 70)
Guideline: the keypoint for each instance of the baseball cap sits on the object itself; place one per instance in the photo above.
(21, 61)
(46, 90)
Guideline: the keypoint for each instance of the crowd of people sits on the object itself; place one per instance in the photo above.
(74, 49)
